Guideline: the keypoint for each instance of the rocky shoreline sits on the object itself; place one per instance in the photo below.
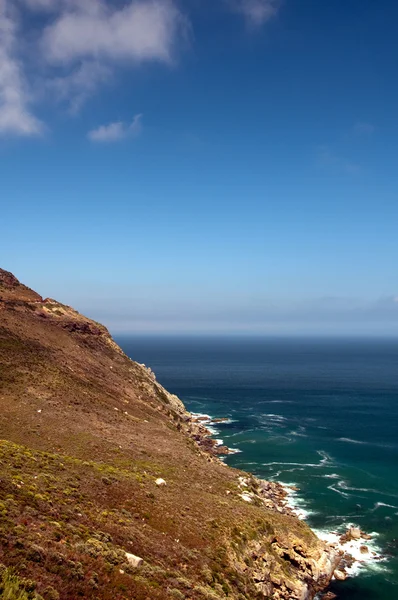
(344, 551)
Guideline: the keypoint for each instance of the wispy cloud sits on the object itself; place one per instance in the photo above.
(326, 157)
(114, 132)
(78, 46)
(15, 115)
(256, 12)
(77, 86)
(363, 128)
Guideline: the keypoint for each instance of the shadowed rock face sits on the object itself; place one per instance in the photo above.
(85, 435)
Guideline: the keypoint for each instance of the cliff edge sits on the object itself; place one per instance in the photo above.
(108, 488)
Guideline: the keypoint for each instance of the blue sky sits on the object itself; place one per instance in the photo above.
(203, 166)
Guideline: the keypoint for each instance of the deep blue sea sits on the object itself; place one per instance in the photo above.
(318, 413)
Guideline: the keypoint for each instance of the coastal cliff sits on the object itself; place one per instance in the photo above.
(109, 488)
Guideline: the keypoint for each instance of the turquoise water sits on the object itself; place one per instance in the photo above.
(322, 414)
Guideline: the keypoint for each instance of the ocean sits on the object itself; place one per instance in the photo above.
(321, 414)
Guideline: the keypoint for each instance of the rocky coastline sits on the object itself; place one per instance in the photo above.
(343, 550)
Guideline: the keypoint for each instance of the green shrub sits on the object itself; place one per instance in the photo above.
(14, 588)
(174, 593)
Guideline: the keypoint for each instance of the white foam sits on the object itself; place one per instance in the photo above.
(381, 504)
(212, 429)
(298, 434)
(326, 460)
(278, 402)
(295, 503)
(362, 443)
(338, 491)
(344, 485)
(205, 421)
(372, 559)
(201, 416)
(275, 417)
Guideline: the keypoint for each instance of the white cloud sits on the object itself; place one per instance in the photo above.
(256, 12)
(117, 131)
(140, 31)
(77, 46)
(15, 116)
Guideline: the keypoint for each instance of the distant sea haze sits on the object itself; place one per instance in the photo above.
(321, 414)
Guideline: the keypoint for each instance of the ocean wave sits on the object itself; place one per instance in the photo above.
(372, 560)
(278, 402)
(326, 460)
(383, 505)
(212, 429)
(344, 485)
(274, 417)
(201, 416)
(296, 503)
(243, 432)
(338, 491)
(292, 470)
(363, 443)
(299, 432)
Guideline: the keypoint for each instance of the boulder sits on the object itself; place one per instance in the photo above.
(364, 550)
(160, 482)
(134, 561)
(354, 533)
(340, 575)
(246, 497)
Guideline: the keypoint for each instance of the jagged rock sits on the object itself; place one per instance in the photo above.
(354, 533)
(222, 450)
(340, 575)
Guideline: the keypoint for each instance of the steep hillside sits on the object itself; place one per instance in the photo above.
(87, 436)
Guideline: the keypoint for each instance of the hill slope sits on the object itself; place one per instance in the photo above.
(86, 434)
